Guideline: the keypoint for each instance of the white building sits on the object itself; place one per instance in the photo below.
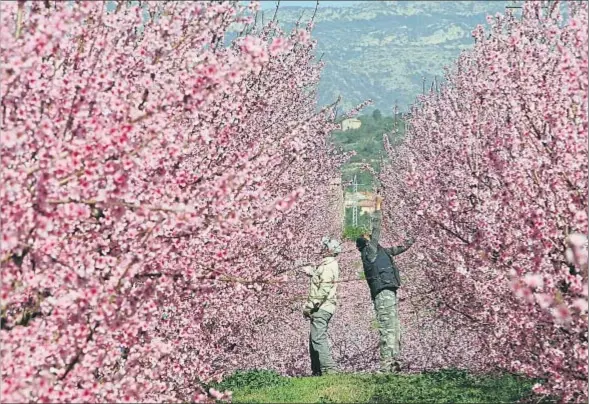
(351, 123)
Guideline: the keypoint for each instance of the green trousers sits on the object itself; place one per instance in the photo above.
(321, 359)
(387, 315)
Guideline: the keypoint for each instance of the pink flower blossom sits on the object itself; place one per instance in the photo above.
(544, 300)
(535, 281)
(581, 305)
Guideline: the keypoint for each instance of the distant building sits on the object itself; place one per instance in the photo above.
(364, 201)
(366, 206)
(351, 123)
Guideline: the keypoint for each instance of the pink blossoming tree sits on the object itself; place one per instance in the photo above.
(492, 178)
(157, 177)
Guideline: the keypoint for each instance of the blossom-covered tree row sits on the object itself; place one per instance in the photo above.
(492, 177)
(157, 177)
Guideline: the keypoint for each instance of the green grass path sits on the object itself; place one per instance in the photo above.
(435, 387)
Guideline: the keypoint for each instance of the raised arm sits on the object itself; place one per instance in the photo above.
(372, 245)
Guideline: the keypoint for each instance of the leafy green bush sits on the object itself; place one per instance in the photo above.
(251, 379)
(363, 220)
(352, 233)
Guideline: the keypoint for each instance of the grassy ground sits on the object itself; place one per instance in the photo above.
(437, 387)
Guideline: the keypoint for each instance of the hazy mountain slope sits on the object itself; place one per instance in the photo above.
(382, 49)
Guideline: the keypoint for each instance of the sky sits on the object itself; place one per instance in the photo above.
(270, 4)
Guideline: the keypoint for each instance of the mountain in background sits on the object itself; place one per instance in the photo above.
(382, 49)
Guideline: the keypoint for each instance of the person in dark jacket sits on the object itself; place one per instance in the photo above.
(383, 280)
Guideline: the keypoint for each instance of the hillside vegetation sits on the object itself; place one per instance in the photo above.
(382, 49)
(367, 143)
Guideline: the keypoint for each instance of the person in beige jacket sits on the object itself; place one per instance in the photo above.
(321, 305)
